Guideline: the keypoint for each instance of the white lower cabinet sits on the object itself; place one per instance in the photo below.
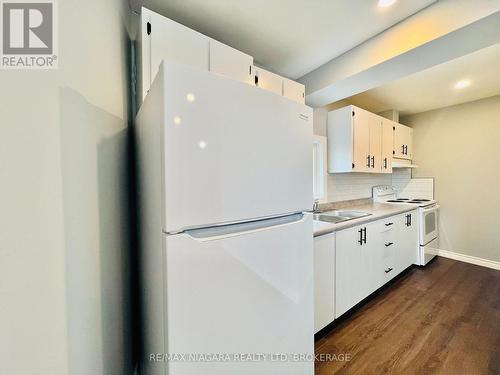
(370, 255)
(324, 281)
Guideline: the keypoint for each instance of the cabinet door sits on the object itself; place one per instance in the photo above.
(387, 146)
(375, 143)
(348, 270)
(402, 141)
(294, 90)
(231, 63)
(409, 240)
(268, 81)
(409, 144)
(324, 281)
(169, 40)
(361, 140)
(370, 279)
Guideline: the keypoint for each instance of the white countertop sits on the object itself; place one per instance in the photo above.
(377, 211)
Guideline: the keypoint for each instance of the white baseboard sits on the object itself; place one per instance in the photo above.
(467, 258)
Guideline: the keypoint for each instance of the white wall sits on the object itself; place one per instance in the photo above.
(64, 252)
(460, 147)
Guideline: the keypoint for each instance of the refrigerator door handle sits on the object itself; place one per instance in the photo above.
(231, 230)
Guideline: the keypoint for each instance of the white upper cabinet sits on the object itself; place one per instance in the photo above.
(354, 141)
(161, 39)
(268, 81)
(375, 142)
(231, 63)
(403, 144)
(387, 145)
(280, 85)
(294, 90)
(164, 39)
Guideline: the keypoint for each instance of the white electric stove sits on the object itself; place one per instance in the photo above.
(428, 210)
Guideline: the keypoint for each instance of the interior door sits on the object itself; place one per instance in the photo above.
(241, 289)
(387, 146)
(232, 152)
(361, 140)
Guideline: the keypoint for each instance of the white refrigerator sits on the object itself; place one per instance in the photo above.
(224, 176)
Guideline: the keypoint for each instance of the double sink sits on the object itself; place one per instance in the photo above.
(338, 216)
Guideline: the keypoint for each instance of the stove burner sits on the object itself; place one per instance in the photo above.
(396, 201)
(421, 200)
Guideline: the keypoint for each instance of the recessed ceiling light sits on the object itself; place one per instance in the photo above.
(463, 83)
(385, 3)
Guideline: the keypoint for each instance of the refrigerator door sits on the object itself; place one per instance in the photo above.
(232, 152)
(245, 290)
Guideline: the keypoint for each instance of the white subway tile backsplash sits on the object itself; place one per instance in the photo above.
(348, 186)
(409, 187)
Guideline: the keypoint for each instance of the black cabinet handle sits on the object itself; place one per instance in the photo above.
(385, 163)
(408, 220)
(388, 224)
(368, 161)
(373, 161)
(389, 244)
(388, 270)
(360, 241)
(403, 149)
(364, 238)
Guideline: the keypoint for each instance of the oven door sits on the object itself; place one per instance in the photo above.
(429, 227)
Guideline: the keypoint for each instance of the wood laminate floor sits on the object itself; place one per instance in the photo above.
(442, 319)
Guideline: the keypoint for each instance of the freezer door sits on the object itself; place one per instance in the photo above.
(244, 291)
(232, 151)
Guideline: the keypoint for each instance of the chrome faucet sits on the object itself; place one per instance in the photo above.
(316, 205)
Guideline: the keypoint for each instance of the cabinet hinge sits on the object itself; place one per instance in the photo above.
(148, 28)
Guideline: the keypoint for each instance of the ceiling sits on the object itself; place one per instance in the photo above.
(289, 37)
(433, 88)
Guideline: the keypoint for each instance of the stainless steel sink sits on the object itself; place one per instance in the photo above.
(329, 218)
(337, 216)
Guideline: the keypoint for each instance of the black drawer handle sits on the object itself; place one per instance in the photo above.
(389, 244)
(388, 270)
(388, 224)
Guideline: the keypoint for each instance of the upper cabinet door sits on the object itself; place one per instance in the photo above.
(268, 81)
(294, 90)
(375, 143)
(230, 62)
(387, 145)
(402, 141)
(361, 140)
(409, 151)
(170, 40)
